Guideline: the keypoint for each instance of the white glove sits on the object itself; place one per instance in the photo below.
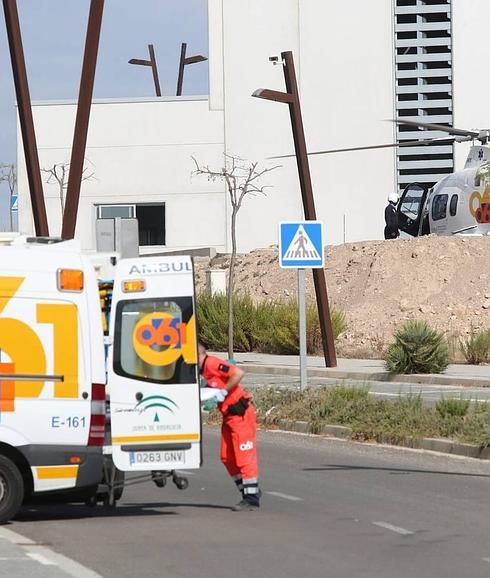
(221, 394)
(208, 393)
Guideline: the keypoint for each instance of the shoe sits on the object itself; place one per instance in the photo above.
(244, 506)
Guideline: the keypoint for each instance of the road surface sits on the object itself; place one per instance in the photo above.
(387, 390)
(330, 508)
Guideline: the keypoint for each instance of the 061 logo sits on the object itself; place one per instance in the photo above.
(160, 339)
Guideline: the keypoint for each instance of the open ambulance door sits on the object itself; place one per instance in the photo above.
(152, 366)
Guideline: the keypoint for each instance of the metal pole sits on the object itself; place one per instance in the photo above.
(154, 69)
(82, 120)
(303, 360)
(25, 118)
(308, 204)
(180, 80)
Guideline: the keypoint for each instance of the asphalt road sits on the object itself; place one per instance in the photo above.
(388, 390)
(330, 508)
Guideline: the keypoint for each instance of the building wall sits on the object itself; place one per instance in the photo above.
(139, 152)
(345, 71)
(471, 79)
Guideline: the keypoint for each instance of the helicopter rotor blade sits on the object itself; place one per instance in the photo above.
(411, 143)
(449, 129)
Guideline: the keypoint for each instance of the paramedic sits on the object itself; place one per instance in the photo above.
(238, 431)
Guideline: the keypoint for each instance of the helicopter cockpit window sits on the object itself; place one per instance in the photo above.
(482, 175)
(453, 205)
(439, 207)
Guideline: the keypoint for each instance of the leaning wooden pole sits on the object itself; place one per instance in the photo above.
(25, 117)
(82, 119)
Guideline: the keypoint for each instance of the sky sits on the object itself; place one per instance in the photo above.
(53, 34)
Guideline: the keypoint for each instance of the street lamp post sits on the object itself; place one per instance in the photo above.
(291, 98)
(184, 61)
(153, 63)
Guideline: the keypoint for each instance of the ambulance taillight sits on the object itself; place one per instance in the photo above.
(97, 416)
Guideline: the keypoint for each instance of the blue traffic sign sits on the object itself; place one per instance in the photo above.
(301, 245)
(14, 205)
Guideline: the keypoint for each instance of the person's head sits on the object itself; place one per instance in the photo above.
(393, 198)
(201, 354)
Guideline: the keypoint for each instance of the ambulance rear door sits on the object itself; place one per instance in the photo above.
(152, 366)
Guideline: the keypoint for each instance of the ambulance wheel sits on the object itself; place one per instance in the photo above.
(119, 479)
(11, 489)
(181, 483)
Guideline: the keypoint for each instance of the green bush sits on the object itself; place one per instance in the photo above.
(450, 407)
(476, 348)
(371, 418)
(266, 327)
(417, 349)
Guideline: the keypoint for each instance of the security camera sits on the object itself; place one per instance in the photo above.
(274, 59)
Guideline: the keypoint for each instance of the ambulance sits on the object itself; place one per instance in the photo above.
(57, 369)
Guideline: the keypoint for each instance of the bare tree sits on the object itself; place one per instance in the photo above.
(8, 174)
(241, 179)
(59, 173)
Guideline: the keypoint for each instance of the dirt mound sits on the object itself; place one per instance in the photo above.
(381, 284)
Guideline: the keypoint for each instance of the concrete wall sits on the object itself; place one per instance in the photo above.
(140, 152)
(345, 71)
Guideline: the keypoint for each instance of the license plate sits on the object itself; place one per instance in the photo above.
(168, 458)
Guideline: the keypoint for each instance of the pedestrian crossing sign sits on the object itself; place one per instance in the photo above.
(14, 205)
(301, 245)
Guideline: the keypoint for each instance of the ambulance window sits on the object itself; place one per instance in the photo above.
(453, 205)
(439, 207)
(155, 340)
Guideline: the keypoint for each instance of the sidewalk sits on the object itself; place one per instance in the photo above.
(361, 370)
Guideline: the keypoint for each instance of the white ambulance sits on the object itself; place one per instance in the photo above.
(53, 371)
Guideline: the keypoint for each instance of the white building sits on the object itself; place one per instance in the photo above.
(359, 64)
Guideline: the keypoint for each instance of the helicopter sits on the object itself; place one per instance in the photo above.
(459, 203)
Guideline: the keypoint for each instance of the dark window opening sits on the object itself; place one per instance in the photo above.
(453, 205)
(151, 224)
(439, 207)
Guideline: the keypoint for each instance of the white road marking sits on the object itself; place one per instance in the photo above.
(5, 558)
(45, 556)
(396, 529)
(486, 559)
(41, 559)
(285, 496)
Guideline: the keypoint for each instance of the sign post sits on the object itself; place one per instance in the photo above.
(301, 247)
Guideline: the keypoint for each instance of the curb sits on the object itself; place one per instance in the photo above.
(425, 379)
(440, 445)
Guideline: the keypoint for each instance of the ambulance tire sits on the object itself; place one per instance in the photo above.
(11, 489)
(118, 492)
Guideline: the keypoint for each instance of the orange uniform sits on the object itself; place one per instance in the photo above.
(238, 431)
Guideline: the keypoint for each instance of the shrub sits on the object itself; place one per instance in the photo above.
(476, 348)
(417, 349)
(450, 407)
(267, 327)
(212, 321)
